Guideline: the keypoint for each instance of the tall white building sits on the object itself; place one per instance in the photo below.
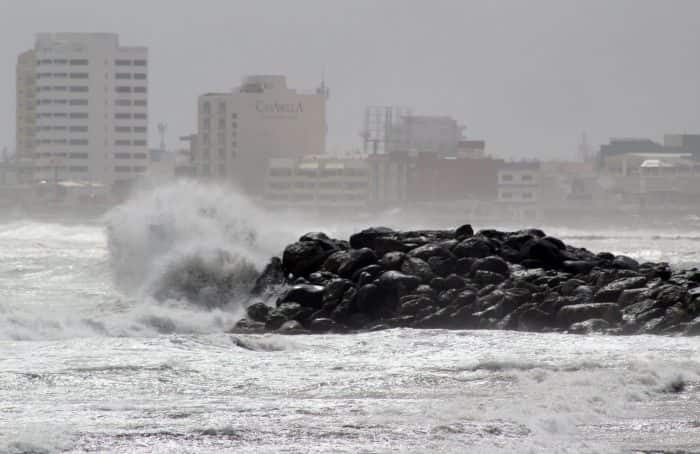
(91, 109)
(240, 131)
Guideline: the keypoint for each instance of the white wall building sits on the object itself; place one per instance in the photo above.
(91, 109)
(518, 190)
(239, 131)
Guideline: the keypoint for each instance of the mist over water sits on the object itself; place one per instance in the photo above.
(103, 350)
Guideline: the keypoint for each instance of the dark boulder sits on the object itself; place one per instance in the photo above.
(417, 267)
(430, 250)
(611, 292)
(442, 266)
(530, 318)
(376, 301)
(578, 266)
(464, 265)
(324, 325)
(625, 263)
(371, 272)
(392, 260)
(416, 304)
(344, 311)
(335, 260)
(291, 327)
(356, 259)
(367, 237)
(476, 247)
(464, 231)
(488, 277)
(258, 312)
(547, 251)
(333, 293)
(491, 263)
(398, 281)
(385, 245)
(306, 295)
(693, 328)
(304, 257)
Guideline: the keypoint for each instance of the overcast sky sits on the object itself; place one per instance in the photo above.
(527, 76)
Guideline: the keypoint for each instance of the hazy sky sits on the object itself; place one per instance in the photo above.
(527, 76)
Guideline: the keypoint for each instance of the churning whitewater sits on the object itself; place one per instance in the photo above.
(113, 338)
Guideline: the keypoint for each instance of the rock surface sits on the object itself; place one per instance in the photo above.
(458, 279)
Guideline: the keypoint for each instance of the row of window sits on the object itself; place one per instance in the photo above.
(315, 173)
(62, 128)
(128, 102)
(129, 129)
(509, 195)
(220, 139)
(206, 124)
(61, 75)
(126, 143)
(122, 62)
(510, 177)
(61, 155)
(61, 142)
(70, 102)
(62, 115)
(137, 169)
(130, 156)
(125, 89)
(127, 116)
(72, 62)
(81, 169)
(311, 185)
(128, 76)
(72, 89)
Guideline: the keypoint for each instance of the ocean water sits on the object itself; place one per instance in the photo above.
(91, 361)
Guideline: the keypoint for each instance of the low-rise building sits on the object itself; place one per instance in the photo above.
(518, 190)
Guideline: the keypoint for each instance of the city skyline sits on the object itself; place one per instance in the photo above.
(527, 83)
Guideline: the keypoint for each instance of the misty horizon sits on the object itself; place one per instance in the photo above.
(528, 79)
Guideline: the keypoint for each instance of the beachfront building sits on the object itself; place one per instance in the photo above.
(518, 190)
(323, 184)
(90, 110)
(441, 135)
(240, 131)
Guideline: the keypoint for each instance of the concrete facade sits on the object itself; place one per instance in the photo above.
(238, 132)
(91, 109)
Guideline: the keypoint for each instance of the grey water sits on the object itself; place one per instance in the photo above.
(91, 362)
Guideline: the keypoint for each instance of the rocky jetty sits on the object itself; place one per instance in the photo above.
(458, 279)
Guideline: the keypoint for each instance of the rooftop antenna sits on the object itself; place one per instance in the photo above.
(162, 127)
(323, 89)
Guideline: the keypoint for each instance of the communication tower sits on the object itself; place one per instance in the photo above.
(379, 124)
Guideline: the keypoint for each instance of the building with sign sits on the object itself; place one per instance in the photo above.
(90, 108)
(240, 131)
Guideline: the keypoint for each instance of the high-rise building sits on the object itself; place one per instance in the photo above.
(91, 108)
(240, 131)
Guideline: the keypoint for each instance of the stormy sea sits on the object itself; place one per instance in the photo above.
(102, 350)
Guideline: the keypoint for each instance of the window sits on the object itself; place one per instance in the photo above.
(78, 129)
(206, 107)
(78, 156)
(139, 155)
(507, 195)
(234, 116)
(526, 177)
(140, 116)
(121, 143)
(139, 76)
(78, 168)
(140, 129)
(139, 169)
(206, 123)
(122, 76)
(78, 115)
(62, 75)
(79, 142)
(139, 89)
(78, 75)
(527, 195)
(59, 128)
(44, 62)
(122, 155)
(59, 141)
(506, 177)
(234, 125)
(122, 116)
(78, 89)
(78, 102)
(60, 88)
(79, 62)
(122, 102)
(122, 62)
(222, 108)
(60, 101)
(139, 62)
(123, 89)
(122, 129)
(140, 102)
(139, 142)
(122, 169)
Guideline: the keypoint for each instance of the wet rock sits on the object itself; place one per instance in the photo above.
(392, 260)
(398, 281)
(488, 277)
(376, 301)
(367, 237)
(475, 247)
(417, 267)
(530, 318)
(333, 293)
(611, 292)
(246, 326)
(464, 231)
(272, 276)
(412, 306)
(491, 263)
(568, 315)
(304, 257)
(355, 260)
(442, 266)
(258, 312)
(693, 328)
(547, 251)
(306, 295)
(625, 263)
